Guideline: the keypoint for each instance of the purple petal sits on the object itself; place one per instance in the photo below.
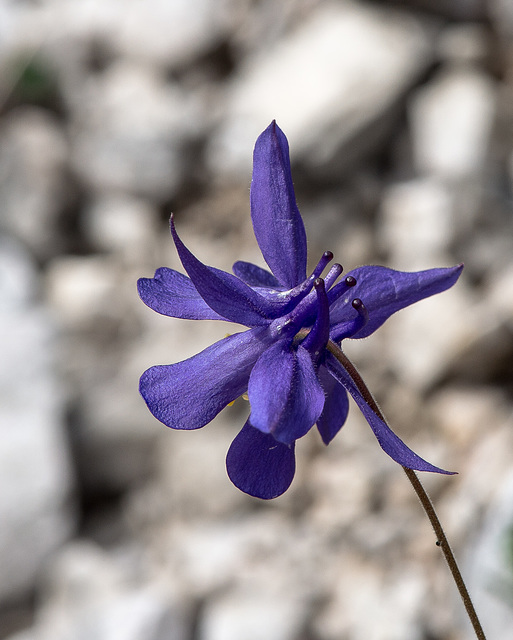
(255, 276)
(259, 465)
(189, 394)
(388, 441)
(285, 395)
(385, 291)
(173, 294)
(336, 406)
(278, 226)
(223, 292)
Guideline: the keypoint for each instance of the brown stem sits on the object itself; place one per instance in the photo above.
(427, 505)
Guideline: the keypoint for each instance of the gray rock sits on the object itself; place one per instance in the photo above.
(32, 189)
(35, 473)
(395, 603)
(94, 294)
(89, 595)
(454, 9)
(501, 12)
(491, 564)
(339, 74)
(467, 43)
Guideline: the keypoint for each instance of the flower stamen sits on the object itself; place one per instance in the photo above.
(351, 327)
(317, 339)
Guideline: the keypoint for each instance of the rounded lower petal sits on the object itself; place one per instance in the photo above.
(189, 394)
(385, 291)
(388, 441)
(172, 294)
(285, 395)
(258, 465)
(277, 223)
(336, 406)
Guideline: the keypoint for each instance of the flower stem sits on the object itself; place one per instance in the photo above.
(427, 505)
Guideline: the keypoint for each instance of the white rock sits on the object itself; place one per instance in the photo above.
(252, 615)
(165, 32)
(172, 32)
(428, 337)
(339, 73)
(35, 473)
(90, 595)
(417, 223)
(81, 288)
(452, 119)
(367, 605)
(123, 224)
(129, 128)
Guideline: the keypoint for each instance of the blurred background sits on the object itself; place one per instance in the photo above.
(113, 114)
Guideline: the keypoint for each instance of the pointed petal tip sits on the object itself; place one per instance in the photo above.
(277, 223)
(433, 469)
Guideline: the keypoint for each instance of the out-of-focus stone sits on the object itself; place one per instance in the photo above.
(452, 119)
(340, 74)
(91, 595)
(32, 189)
(163, 32)
(500, 295)
(454, 9)
(491, 565)
(129, 130)
(501, 12)
(115, 444)
(466, 43)
(122, 224)
(253, 614)
(417, 223)
(427, 339)
(81, 288)
(174, 32)
(192, 471)
(35, 472)
(395, 603)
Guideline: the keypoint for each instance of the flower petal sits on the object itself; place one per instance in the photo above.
(336, 406)
(223, 292)
(255, 276)
(285, 395)
(259, 465)
(388, 441)
(189, 394)
(385, 291)
(173, 294)
(278, 226)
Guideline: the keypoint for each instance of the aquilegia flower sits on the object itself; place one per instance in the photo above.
(283, 360)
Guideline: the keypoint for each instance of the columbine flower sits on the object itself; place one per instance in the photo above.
(282, 361)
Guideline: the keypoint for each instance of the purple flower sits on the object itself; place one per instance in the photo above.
(282, 360)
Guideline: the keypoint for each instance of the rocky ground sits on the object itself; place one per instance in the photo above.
(113, 113)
